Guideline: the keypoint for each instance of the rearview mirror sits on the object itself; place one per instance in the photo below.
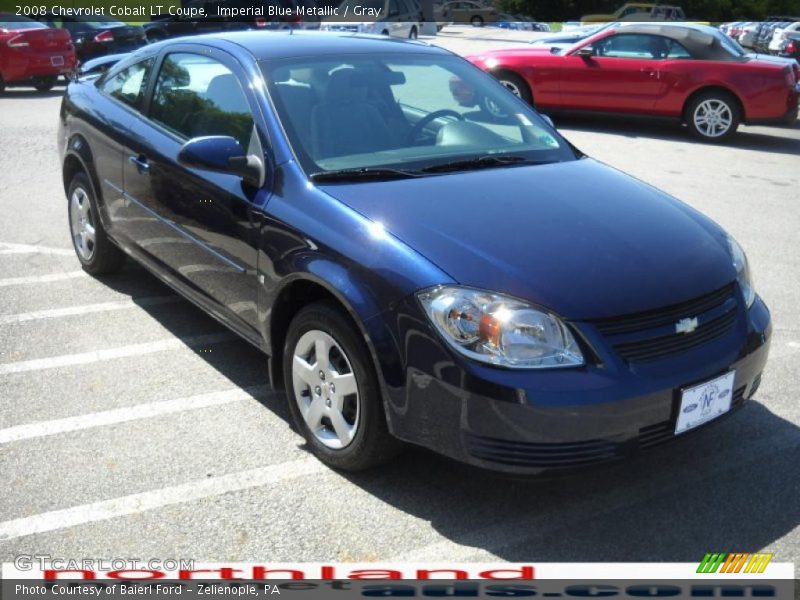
(585, 51)
(223, 154)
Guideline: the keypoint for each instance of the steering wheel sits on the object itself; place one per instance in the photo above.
(427, 119)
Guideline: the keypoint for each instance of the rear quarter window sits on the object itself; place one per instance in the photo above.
(129, 85)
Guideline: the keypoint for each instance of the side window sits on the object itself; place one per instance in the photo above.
(677, 50)
(129, 85)
(634, 46)
(196, 95)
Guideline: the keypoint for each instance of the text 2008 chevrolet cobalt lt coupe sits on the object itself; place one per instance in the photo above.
(421, 256)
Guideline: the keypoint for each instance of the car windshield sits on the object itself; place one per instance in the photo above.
(404, 112)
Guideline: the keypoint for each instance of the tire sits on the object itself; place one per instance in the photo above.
(516, 85)
(713, 116)
(385, 32)
(45, 83)
(412, 35)
(98, 256)
(362, 439)
(477, 21)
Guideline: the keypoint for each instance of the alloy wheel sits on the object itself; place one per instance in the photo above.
(325, 389)
(713, 118)
(82, 223)
(511, 87)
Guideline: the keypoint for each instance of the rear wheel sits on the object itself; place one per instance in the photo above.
(45, 83)
(98, 255)
(713, 116)
(477, 21)
(333, 392)
(516, 85)
(412, 35)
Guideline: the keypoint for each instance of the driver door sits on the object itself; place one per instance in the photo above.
(623, 74)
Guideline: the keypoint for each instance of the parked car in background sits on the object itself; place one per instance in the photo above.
(638, 12)
(414, 267)
(397, 18)
(32, 53)
(93, 38)
(691, 73)
(764, 30)
(780, 34)
(747, 34)
(520, 22)
(790, 48)
(466, 11)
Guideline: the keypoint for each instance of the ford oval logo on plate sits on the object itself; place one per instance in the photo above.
(689, 408)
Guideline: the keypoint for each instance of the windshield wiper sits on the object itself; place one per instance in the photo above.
(363, 173)
(480, 162)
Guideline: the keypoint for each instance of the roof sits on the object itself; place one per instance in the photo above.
(279, 44)
(701, 41)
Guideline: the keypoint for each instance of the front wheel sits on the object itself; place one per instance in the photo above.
(713, 116)
(476, 21)
(45, 83)
(333, 391)
(516, 85)
(98, 255)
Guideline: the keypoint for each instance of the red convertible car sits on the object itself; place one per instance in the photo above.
(32, 53)
(689, 72)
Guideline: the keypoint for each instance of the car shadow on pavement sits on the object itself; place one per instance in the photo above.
(237, 360)
(731, 486)
(747, 138)
(24, 93)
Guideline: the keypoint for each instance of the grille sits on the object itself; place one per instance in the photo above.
(659, 347)
(644, 336)
(541, 455)
(665, 316)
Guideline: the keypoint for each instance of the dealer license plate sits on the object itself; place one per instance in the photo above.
(704, 402)
(57, 61)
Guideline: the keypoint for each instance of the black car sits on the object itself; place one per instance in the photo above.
(93, 38)
(275, 14)
(791, 46)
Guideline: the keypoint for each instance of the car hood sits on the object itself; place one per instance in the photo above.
(580, 238)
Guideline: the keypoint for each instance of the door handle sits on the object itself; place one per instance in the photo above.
(141, 164)
(652, 72)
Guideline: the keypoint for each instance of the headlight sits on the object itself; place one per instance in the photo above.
(742, 272)
(499, 330)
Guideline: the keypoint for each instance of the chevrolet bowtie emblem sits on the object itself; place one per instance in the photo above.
(687, 325)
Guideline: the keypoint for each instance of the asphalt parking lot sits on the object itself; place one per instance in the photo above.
(132, 425)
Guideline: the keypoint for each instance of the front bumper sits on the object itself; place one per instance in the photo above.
(529, 422)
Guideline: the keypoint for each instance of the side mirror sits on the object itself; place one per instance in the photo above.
(223, 154)
(586, 51)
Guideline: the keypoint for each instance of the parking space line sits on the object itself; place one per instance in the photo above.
(129, 413)
(42, 278)
(179, 494)
(67, 360)
(6, 248)
(55, 313)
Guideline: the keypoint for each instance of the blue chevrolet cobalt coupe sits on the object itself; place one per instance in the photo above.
(419, 254)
